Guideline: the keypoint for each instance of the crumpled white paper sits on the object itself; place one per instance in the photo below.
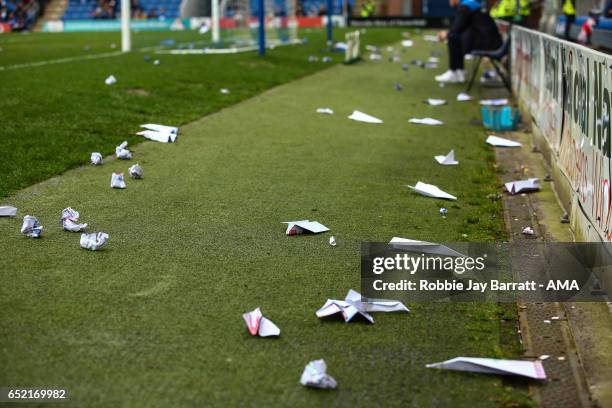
(135, 171)
(31, 227)
(69, 220)
(96, 158)
(110, 80)
(117, 181)
(259, 325)
(225, 91)
(332, 241)
(122, 152)
(315, 376)
(94, 241)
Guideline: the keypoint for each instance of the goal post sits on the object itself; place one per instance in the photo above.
(126, 35)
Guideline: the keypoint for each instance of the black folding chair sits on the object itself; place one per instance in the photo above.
(495, 56)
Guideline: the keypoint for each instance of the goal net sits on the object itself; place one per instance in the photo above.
(238, 22)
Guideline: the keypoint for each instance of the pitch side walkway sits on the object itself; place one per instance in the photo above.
(155, 318)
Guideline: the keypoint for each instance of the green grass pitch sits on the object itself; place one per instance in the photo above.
(155, 318)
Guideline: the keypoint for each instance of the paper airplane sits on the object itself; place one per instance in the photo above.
(363, 117)
(225, 91)
(530, 369)
(135, 171)
(110, 80)
(431, 38)
(259, 325)
(407, 43)
(356, 305)
(161, 137)
(326, 111)
(448, 160)
(435, 102)
(117, 181)
(430, 190)
(501, 142)
(203, 29)
(122, 152)
(96, 158)
(94, 241)
(31, 227)
(8, 211)
(304, 226)
(523, 186)
(426, 121)
(462, 97)
(340, 46)
(315, 376)
(160, 128)
(494, 102)
(69, 220)
(424, 247)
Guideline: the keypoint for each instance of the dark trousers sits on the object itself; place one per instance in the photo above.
(569, 20)
(455, 51)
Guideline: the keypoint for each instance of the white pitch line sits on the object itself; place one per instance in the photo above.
(60, 61)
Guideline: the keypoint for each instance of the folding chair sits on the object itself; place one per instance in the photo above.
(495, 56)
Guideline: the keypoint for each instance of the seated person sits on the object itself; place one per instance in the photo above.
(471, 29)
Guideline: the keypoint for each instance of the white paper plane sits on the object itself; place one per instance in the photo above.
(433, 60)
(523, 186)
(203, 29)
(426, 121)
(122, 152)
(363, 117)
(530, 369)
(315, 376)
(225, 91)
(407, 43)
(110, 80)
(462, 97)
(448, 160)
(435, 102)
(160, 128)
(424, 247)
(8, 211)
(69, 220)
(304, 226)
(429, 190)
(94, 241)
(117, 181)
(162, 137)
(501, 142)
(327, 111)
(431, 38)
(356, 305)
(494, 102)
(259, 325)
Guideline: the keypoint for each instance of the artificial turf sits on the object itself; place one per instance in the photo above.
(155, 318)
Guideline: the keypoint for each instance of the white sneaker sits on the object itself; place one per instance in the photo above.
(451, 76)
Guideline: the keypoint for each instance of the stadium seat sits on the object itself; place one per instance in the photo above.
(495, 56)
